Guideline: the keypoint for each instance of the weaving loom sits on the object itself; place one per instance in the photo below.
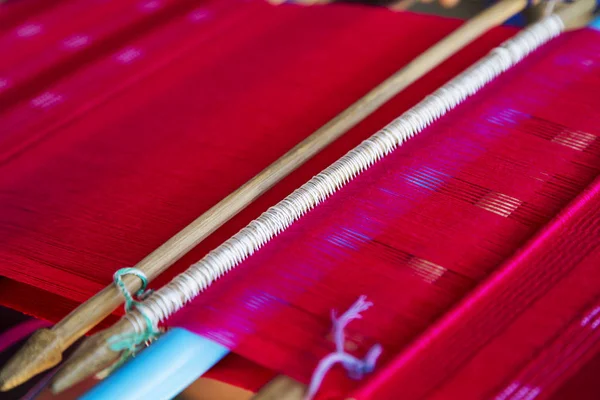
(470, 224)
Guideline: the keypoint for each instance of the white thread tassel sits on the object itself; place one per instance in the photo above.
(356, 368)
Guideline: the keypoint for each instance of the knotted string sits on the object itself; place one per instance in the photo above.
(131, 343)
(141, 294)
(355, 367)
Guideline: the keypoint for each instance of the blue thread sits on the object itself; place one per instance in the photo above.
(356, 368)
(426, 178)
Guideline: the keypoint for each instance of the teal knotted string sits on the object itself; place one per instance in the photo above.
(142, 293)
(131, 343)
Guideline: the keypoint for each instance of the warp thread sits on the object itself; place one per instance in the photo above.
(131, 343)
(355, 367)
(230, 254)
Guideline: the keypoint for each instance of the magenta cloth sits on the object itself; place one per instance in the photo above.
(425, 227)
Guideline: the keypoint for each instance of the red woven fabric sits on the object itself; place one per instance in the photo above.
(122, 125)
(421, 229)
(122, 121)
(525, 331)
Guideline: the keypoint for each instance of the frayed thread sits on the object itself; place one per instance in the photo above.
(355, 367)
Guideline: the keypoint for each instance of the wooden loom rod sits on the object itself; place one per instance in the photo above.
(44, 349)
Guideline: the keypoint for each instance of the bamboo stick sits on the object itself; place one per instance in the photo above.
(281, 388)
(44, 349)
